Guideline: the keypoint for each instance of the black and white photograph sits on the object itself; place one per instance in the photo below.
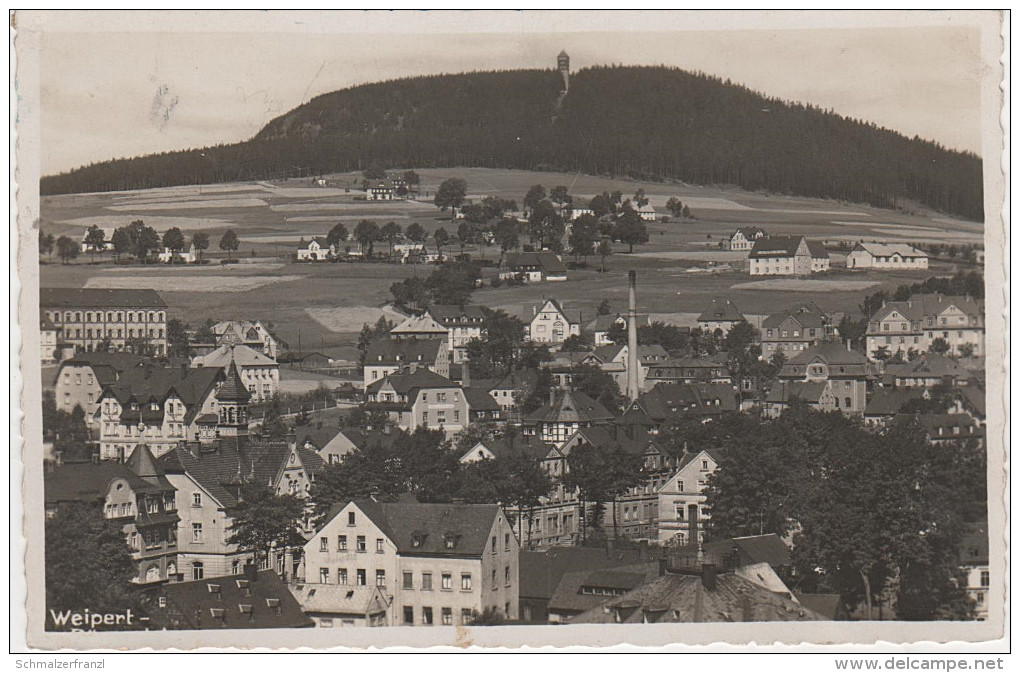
(345, 329)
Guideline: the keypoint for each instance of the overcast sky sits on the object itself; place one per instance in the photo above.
(108, 95)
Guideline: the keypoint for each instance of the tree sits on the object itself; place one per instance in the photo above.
(498, 351)
(578, 343)
(939, 346)
(205, 334)
(95, 239)
(410, 293)
(583, 235)
(200, 242)
(546, 226)
(561, 197)
(597, 384)
(505, 233)
(263, 520)
(367, 233)
(416, 233)
(391, 233)
(601, 205)
(521, 485)
(451, 194)
(452, 284)
(177, 338)
(273, 424)
(67, 249)
(69, 433)
(675, 207)
(686, 213)
(412, 179)
(605, 308)
(123, 242)
(494, 207)
(881, 353)
(467, 232)
(229, 242)
(535, 194)
(88, 563)
(337, 235)
(46, 243)
(631, 229)
(370, 333)
(374, 173)
(441, 238)
(967, 350)
(600, 473)
(173, 240)
(739, 339)
(640, 199)
(604, 250)
(144, 240)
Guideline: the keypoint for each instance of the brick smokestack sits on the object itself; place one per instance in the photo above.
(632, 344)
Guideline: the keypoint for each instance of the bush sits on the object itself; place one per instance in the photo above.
(496, 282)
(230, 261)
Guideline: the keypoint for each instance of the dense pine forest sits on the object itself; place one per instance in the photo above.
(651, 123)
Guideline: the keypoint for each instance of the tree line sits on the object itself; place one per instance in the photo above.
(659, 124)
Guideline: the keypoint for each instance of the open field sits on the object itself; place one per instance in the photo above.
(309, 303)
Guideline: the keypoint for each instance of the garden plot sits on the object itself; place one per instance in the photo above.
(696, 255)
(158, 222)
(806, 285)
(189, 283)
(374, 207)
(352, 318)
(247, 202)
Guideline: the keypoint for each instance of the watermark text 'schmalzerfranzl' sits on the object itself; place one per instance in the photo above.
(919, 664)
(60, 663)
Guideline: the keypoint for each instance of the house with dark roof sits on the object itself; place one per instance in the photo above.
(436, 564)
(744, 238)
(681, 512)
(420, 327)
(721, 315)
(787, 256)
(253, 599)
(582, 590)
(510, 390)
(464, 323)
(80, 380)
(927, 371)
(136, 495)
(828, 377)
(551, 324)
(389, 356)
(481, 405)
(97, 319)
(669, 401)
(602, 325)
(974, 556)
(532, 267)
(706, 595)
(419, 398)
(259, 372)
(942, 428)
(566, 412)
(688, 370)
(794, 330)
(504, 446)
(886, 403)
(750, 550)
(250, 333)
(613, 360)
(917, 322)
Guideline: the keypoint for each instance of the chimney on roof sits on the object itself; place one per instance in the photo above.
(632, 341)
(292, 439)
(552, 396)
(746, 609)
(184, 370)
(465, 375)
(708, 576)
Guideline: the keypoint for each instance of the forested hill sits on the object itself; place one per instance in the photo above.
(651, 123)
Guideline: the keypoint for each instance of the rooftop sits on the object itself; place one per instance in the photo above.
(69, 297)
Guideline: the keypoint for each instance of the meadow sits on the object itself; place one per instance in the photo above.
(305, 301)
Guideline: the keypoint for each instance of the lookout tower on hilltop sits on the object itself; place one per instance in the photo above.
(563, 63)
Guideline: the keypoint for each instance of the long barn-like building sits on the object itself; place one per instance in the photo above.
(114, 320)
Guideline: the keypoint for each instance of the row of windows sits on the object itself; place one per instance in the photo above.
(109, 316)
(361, 544)
(441, 417)
(446, 581)
(111, 333)
(360, 575)
(427, 616)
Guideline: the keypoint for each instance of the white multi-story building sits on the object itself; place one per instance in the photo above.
(924, 318)
(886, 256)
(550, 324)
(115, 320)
(787, 256)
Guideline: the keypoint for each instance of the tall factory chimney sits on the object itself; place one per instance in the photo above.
(632, 345)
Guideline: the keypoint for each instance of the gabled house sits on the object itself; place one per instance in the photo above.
(107, 245)
(744, 238)
(80, 380)
(382, 191)
(510, 390)
(551, 324)
(259, 373)
(187, 256)
(582, 590)
(136, 495)
(464, 324)
(886, 403)
(923, 318)
(419, 398)
(566, 412)
(886, 256)
(501, 447)
(942, 428)
(389, 356)
(250, 333)
(436, 564)
(669, 401)
(687, 370)
(532, 267)
(338, 606)
(602, 325)
(647, 213)
(787, 256)
(420, 327)
(681, 506)
(721, 315)
(827, 376)
(318, 249)
(794, 330)
(613, 359)
(928, 370)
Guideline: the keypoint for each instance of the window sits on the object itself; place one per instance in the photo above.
(341, 576)
(341, 542)
(361, 544)
(506, 575)
(465, 581)
(704, 465)
(197, 570)
(409, 580)
(447, 581)
(493, 544)
(849, 402)
(379, 545)
(985, 579)
(408, 614)
(380, 578)
(350, 518)
(196, 534)
(426, 581)
(235, 567)
(323, 575)
(362, 577)
(323, 544)
(465, 615)
(426, 616)
(506, 541)
(493, 579)
(447, 616)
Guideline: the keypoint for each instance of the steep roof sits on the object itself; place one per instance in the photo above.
(942, 426)
(420, 324)
(106, 367)
(666, 399)
(754, 549)
(404, 382)
(233, 388)
(244, 356)
(232, 602)
(528, 445)
(928, 365)
(339, 599)
(69, 297)
(479, 399)
(547, 261)
(890, 249)
(673, 598)
(750, 233)
(889, 401)
(89, 482)
(570, 598)
(541, 571)
(454, 314)
(807, 315)
(830, 352)
(920, 306)
(776, 246)
(403, 351)
(423, 528)
(517, 379)
(725, 311)
(570, 407)
(817, 249)
(146, 383)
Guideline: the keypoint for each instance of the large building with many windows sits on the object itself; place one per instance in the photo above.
(924, 318)
(438, 564)
(112, 320)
